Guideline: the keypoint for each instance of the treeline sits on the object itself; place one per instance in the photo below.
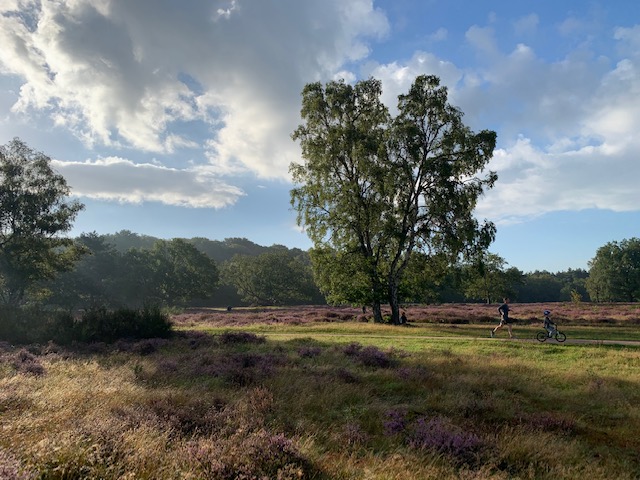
(130, 270)
(126, 269)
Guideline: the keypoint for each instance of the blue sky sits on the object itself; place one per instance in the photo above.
(173, 118)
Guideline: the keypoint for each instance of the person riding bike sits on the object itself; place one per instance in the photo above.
(548, 325)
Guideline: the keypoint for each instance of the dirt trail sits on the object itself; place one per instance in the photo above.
(572, 341)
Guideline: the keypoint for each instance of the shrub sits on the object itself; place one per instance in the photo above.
(33, 325)
(25, 362)
(309, 352)
(252, 455)
(440, 435)
(395, 423)
(102, 325)
(11, 469)
(369, 356)
(240, 337)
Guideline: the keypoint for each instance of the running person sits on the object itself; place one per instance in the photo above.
(504, 319)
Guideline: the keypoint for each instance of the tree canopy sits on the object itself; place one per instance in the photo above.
(614, 273)
(277, 277)
(485, 278)
(34, 212)
(373, 189)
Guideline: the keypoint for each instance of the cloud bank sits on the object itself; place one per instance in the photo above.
(212, 89)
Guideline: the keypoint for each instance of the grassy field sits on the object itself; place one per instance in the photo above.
(322, 393)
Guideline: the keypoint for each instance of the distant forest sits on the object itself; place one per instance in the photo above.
(129, 269)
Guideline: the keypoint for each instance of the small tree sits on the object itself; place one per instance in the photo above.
(33, 214)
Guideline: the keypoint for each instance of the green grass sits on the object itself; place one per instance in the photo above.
(339, 400)
(573, 332)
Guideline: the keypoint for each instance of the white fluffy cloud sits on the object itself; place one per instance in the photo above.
(219, 83)
(140, 75)
(119, 179)
(567, 131)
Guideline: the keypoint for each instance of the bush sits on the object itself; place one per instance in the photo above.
(369, 356)
(231, 338)
(102, 325)
(440, 435)
(11, 468)
(32, 325)
(250, 455)
(27, 363)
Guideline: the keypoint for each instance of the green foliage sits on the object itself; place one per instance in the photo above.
(93, 281)
(340, 278)
(576, 297)
(171, 273)
(33, 325)
(33, 213)
(543, 286)
(277, 277)
(27, 324)
(614, 273)
(485, 278)
(125, 240)
(377, 188)
(222, 251)
(102, 325)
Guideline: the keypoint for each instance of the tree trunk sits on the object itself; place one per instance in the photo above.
(393, 302)
(377, 312)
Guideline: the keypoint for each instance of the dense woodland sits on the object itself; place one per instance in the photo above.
(128, 269)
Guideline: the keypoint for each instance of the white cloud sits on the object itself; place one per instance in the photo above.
(112, 71)
(397, 78)
(567, 130)
(223, 78)
(630, 40)
(439, 35)
(118, 179)
(526, 25)
(483, 39)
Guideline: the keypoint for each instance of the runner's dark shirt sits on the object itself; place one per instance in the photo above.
(504, 312)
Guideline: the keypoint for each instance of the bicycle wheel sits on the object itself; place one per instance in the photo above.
(541, 336)
(561, 337)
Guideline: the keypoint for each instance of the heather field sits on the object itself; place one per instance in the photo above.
(620, 321)
(322, 393)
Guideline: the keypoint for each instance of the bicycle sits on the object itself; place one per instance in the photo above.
(557, 334)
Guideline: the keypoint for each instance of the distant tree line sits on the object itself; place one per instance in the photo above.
(127, 269)
(130, 270)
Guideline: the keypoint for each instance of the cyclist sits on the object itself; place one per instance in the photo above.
(548, 325)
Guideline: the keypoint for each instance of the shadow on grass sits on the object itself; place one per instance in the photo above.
(240, 403)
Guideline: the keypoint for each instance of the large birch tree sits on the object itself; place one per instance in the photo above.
(372, 189)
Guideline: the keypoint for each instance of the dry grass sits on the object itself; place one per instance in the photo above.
(237, 405)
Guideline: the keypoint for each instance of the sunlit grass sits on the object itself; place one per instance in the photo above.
(480, 331)
(325, 400)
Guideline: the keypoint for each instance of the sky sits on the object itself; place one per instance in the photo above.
(173, 118)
